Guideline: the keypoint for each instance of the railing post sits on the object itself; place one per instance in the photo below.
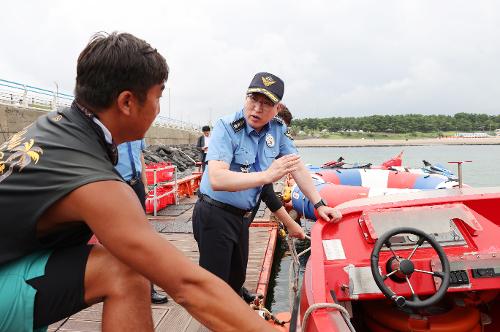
(460, 177)
(25, 96)
(56, 93)
(154, 193)
(176, 196)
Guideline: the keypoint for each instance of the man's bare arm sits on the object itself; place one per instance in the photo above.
(119, 222)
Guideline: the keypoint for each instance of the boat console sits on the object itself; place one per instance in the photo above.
(405, 254)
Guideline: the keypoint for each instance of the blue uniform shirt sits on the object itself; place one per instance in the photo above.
(239, 145)
(124, 166)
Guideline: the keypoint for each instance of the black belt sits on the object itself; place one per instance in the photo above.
(133, 181)
(225, 207)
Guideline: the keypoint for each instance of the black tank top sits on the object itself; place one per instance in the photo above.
(42, 163)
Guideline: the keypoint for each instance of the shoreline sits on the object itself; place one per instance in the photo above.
(325, 142)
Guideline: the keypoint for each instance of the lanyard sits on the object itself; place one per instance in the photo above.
(111, 149)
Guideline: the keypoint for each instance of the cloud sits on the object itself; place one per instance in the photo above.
(337, 58)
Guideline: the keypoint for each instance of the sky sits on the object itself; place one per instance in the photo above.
(336, 57)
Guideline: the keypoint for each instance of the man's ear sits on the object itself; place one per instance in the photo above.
(125, 102)
(275, 109)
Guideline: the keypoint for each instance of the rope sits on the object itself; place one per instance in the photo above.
(317, 306)
(293, 288)
(294, 270)
(64, 322)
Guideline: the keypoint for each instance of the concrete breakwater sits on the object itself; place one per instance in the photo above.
(164, 144)
(13, 118)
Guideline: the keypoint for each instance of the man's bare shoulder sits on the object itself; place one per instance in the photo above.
(93, 200)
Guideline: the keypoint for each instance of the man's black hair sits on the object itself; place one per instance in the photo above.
(111, 64)
(205, 128)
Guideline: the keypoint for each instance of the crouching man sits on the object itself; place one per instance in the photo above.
(58, 186)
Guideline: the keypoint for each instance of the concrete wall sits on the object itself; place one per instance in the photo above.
(171, 136)
(14, 118)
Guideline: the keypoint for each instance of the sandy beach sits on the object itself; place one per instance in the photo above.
(323, 142)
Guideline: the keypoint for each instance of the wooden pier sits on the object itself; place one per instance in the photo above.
(174, 223)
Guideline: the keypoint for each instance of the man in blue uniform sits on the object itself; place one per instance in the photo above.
(248, 149)
(132, 168)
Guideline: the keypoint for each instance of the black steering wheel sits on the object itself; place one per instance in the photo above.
(404, 268)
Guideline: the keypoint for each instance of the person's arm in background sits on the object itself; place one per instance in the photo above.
(274, 204)
(143, 167)
(143, 174)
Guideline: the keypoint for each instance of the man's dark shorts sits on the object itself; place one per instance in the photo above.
(42, 288)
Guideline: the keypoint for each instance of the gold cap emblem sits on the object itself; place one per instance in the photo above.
(268, 81)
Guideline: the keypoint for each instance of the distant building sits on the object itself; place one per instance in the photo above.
(473, 135)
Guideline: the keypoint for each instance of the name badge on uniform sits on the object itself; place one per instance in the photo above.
(269, 140)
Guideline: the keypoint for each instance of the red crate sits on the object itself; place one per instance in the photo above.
(164, 172)
(170, 198)
(150, 203)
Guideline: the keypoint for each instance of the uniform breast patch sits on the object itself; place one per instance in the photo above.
(238, 124)
(269, 140)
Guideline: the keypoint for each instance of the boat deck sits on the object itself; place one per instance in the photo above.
(174, 223)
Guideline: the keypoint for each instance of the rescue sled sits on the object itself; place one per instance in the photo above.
(341, 185)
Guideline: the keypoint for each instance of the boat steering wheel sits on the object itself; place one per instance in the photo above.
(405, 268)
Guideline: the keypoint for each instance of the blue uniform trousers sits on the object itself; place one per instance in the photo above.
(222, 239)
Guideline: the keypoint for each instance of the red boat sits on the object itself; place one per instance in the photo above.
(425, 261)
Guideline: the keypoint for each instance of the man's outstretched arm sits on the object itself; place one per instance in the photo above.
(122, 229)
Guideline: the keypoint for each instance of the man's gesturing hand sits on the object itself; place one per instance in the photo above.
(281, 166)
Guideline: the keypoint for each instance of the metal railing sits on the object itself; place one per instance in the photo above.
(30, 96)
(14, 93)
(163, 121)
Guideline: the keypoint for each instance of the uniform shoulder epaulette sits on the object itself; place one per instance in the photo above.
(279, 120)
(238, 124)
